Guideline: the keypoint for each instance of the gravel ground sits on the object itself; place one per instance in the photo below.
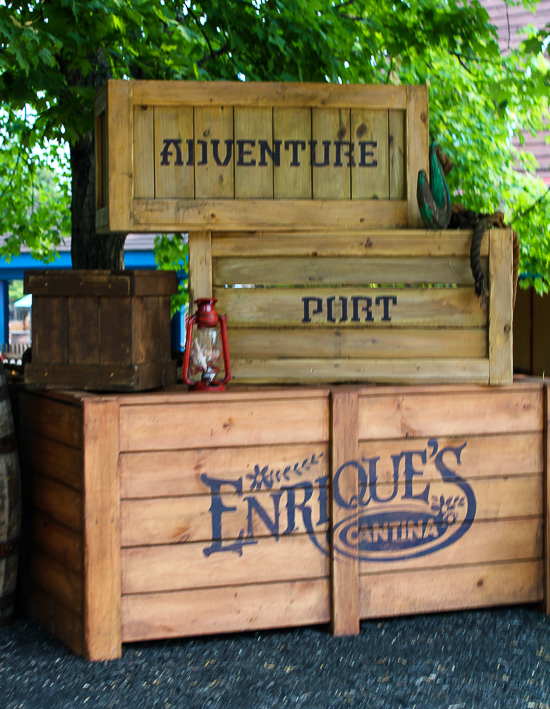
(497, 658)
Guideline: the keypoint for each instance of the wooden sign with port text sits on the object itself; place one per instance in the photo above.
(179, 156)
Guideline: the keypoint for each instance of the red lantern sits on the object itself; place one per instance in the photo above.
(206, 348)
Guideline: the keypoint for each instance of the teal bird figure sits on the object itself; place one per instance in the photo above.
(434, 199)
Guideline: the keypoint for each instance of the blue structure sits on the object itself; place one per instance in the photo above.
(138, 254)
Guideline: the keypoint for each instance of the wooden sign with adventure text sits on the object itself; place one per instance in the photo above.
(178, 156)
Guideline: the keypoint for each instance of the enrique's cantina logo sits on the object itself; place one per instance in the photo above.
(422, 507)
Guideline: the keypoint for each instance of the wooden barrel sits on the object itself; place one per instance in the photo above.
(10, 505)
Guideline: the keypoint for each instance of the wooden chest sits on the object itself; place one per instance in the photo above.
(171, 514)
(101, 330)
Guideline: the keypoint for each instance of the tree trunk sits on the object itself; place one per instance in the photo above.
(88, 249)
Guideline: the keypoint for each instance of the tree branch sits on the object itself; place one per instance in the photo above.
(530, 209)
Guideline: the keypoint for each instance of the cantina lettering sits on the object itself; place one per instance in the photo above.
(417, 505)
(251, 153)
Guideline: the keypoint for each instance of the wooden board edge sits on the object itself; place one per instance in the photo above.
(417, 138)
(344, 478)
(102, 627)
(546, 494)
(500, 307)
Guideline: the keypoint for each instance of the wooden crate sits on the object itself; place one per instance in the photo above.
(170, 514)
(179, 156)
(101, 330)
(379, 306)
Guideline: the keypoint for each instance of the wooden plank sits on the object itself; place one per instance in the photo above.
(101, 530)
(215, 176)
(101, 150)
(120, 129)
(330, 133)
(375, 343)
(200, 267)
(345, 271)
(398, 158)
(159, 215)
(370, 169)
(115, 330)
(253, 142)
(484, 543)
(500, 498)
(174, 165)
(147, 330)
(150, 282)
(225, 610)
(177, 520)
(500, 308)
(501, 456)
(50, 329)
(177, 567)
(377, 244)
(344, 569)
(175, 473)
(79, 283)
(58, 542)
(61, 622)
(351, 307)
(249, 423)
(191, 93)
(107, 377)
(61, 584)
(181, 395)
(406, 371)
(83, 330)
(292, 178)
(52, 459)
(417, 148)
(546, 477)
(485, 411)
(62, 503)
(445, 589)
(144, 152)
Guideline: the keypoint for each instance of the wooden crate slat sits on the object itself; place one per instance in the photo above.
(101, 529)
(61, 584)
(200, 266)
(473, 413)
(160, 215)
(172, 160)
(253, 143)
(398, 154)
(144, 152)
(344, 569)
(370, 128)
(303, 371)
(500, 308)
(343, 271)
(53, 459)
(330, 129)
(62, 503)
(351, 307)
(51, 344)
(58, 542)
(485, 542)
(546, 493)
(450, 588)
(61, 622)
(215, 178)
(417, 147)
(184, 566)
(488, 456)
(175, 473)
(248, 423)
(412, 243)
(175, 93)
(374, 343)
(179, 520)
(220, 610)
(293, 178)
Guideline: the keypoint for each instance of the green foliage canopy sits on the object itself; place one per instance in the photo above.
(54, 54)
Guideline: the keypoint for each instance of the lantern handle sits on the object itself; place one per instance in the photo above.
(191, 319)
(226, 363)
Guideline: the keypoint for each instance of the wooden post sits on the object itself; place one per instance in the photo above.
(546, 488)
(200, 266)
(345, 569)
(500, 307)
(102, 590)
(120, 170)
(417, 148)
